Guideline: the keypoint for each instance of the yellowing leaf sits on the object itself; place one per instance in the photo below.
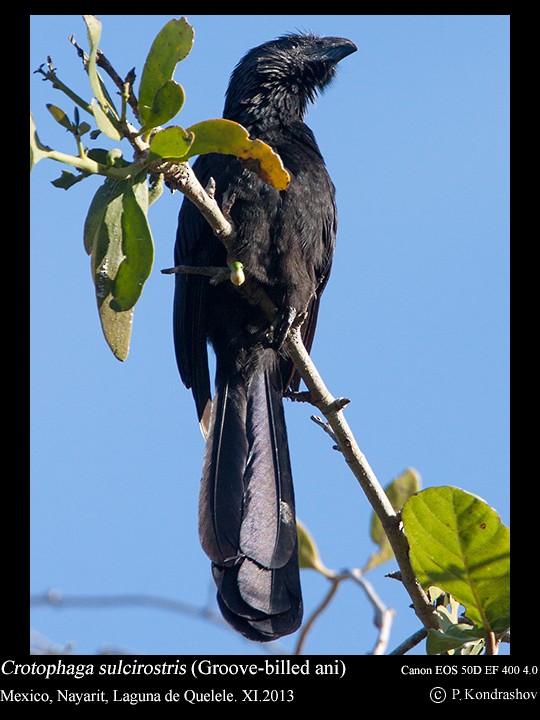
(228, 137)
(59, 115)
(308, 554)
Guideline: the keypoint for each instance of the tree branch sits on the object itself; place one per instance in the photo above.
(306, 627)
(330, 408)
(410, 642)
(105, 65)
(55, 598)
(216, 274)
(183, 178)
(383, 616)
(492, 644)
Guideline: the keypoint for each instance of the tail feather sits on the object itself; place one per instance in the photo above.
(221, 496)
(252, 622)
(268, 533)
(246, 511)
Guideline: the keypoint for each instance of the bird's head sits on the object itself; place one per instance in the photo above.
(276, 81)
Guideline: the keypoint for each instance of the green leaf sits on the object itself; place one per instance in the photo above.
(308, 554)
(138, 249)
(398, 491)
(68, 179)
(38, 151)
(167, 103)
(83, 128)
(101, 105)
(114, 158)
(156, 189)
(458, 543)
(171, 45)
(438, 642)
(171, 143)
(228, 137)
(108, 157)
(103, 242)
(453, 635)
(470, 648)
(60, 116)
(103, 122)
(93, 28)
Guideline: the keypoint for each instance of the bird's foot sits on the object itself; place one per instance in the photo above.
(280, 326)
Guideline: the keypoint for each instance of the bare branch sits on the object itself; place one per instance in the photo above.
(384, 616)
(105, 65)
(326, 427)
(55, 598)
(302, 397)
(216, 274)
(411, 642)
(326, 403)
(306, 627)
(183, 178)
(58, 599)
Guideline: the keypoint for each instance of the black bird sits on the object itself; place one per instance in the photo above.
(286, 242)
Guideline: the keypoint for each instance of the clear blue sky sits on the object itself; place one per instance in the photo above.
(413, 328)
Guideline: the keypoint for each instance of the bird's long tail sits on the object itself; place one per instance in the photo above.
(247, 518)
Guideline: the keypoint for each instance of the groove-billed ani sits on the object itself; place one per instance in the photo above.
(286, 242)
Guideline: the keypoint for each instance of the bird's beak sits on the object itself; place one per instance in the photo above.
(338, 48)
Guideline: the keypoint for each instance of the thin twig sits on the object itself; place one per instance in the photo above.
(217, 274)
(325, 402)
(384, 615)
(326, 427)
(334, 584)
(105, 65)
(55, 598)
(295, 396)
(410, 642)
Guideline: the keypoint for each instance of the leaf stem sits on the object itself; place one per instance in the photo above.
(88, 165)
(59, 85)
(492, 645)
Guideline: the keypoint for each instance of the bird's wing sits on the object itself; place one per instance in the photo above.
(291, 377)
(195, 246)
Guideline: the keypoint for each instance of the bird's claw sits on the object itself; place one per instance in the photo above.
(280, 326)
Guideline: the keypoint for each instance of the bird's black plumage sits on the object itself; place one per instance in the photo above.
(286, 242)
